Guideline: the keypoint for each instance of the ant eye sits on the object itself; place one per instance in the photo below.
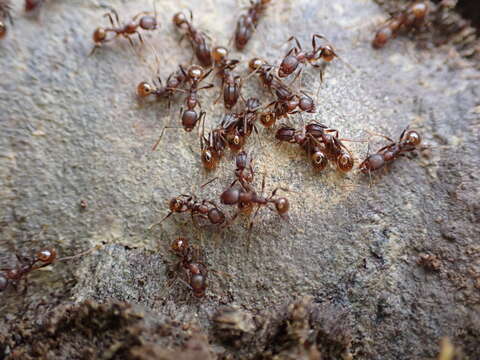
(207, 156)
(3, 282)
(236, 140)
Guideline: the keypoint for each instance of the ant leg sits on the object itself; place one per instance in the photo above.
(154, 147)
(314, 43)
(109, 16)
(403, 134)
(209, 181)
(296, 77)
(377, 134)
(158, 223)
(139, 37)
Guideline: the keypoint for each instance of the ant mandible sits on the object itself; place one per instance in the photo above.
(197, 38)
(247, 23)
(409, 141)
(196, 271)
(297, 56)
(142, 20)
(5, 9)
(412, 17)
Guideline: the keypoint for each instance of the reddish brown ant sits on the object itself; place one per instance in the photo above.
(246, 198)
(205, 209)
(143, 20)
(174, 81)
(297, 56)
(247, 23)
(195, 270)
(26, 265)
(319, 145)
(197, 38)
(412, 17)
(408, 142)
(190, 117)
(5, 9)
(231, 83)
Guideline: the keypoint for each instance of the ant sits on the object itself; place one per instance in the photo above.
(246, 198)
(212, 148)
(412, 17)
(26, 265)
(296, 56)
(142, 20)
(247, 23)
(197, 38)
(5, 9)
(174, 81)
(190, 117)
(319, 145)
(231, 83)
(189, 203)
(196, 271)
(408, 142)
(265, 72)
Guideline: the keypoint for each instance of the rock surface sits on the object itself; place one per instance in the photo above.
(72, 129)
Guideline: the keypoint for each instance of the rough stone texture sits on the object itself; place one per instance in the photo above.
(72, 129)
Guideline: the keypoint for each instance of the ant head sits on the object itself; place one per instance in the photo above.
(345, 162)
(255, 64)
(180, 245)
(179, 19)
(282, 205)
(268, 119)
(3, 282)
(144, 89)
(47, 255)
(328, 54)
(412, 138)
(381, 37)
(148, 22)
(319, 160)
(176, 205)
(195, 72)
(3, 29)
(198, 284)
(219, 54)
(99, 35)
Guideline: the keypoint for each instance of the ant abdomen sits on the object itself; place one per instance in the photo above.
(215, 216)
(319, 160)
(345, 162)
(230, 196)
(47, 255)
(413, 138)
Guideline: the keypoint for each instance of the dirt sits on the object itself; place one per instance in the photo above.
(380, 268)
